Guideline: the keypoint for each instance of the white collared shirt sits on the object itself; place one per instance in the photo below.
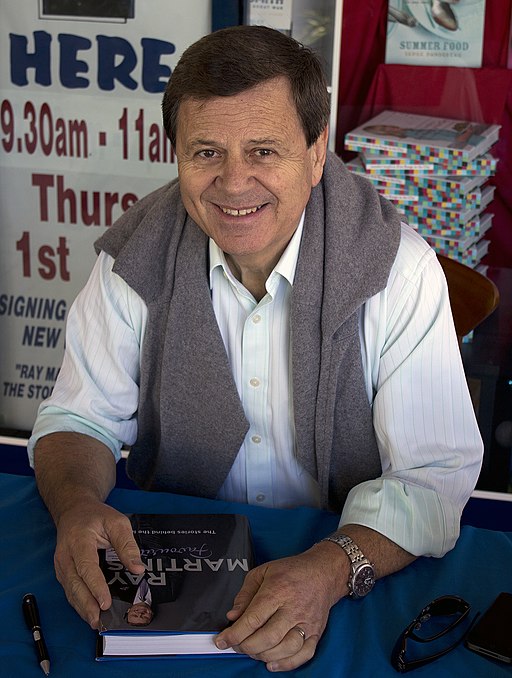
(425, 427)
(257, 341)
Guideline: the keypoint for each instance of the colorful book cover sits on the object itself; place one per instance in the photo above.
(398, 198)
(476, 227)
(460, 185)
(439, 202)
(435, 33)
(195, 566)
(375, 160)
(450, 184)
(453, 201)
(477, 171)
(433, 211)
(457, 246)
(471, 257)
(474, 255)
(428, 137)
(397, 152)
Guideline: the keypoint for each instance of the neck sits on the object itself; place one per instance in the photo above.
(252, 277)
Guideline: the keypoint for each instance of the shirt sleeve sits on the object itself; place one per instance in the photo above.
(97, 390)
(426, 430)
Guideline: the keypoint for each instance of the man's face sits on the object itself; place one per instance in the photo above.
(245, 171)
(139, 614)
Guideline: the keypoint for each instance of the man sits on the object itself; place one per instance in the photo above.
(263, 330)
(140, 612)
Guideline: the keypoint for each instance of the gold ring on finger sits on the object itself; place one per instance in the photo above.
(301, 631)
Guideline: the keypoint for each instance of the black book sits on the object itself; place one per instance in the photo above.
(195, 566)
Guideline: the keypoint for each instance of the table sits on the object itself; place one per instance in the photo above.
(359, 636)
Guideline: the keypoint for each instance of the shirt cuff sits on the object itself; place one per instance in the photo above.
(419, 520)
(56, 420)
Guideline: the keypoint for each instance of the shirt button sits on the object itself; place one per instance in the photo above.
(260, 497)
(256, 319)
(256, 439)
(254, 382)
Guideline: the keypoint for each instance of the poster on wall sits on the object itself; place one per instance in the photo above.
(315, 23)
(433, 33)
(80, 142)
(276, 15)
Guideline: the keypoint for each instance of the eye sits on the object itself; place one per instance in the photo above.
(263, 152)
(208, 153)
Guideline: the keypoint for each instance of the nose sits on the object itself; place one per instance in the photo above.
(235, 175)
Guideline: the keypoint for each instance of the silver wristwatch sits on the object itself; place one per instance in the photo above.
(362, 575)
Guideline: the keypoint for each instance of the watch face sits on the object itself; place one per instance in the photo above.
(364, 580)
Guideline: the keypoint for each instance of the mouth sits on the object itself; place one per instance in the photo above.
(243, 212)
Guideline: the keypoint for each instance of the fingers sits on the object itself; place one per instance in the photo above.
(279, 642)
(249, 589)
(122, 541)
(80, 534)
(281, 612)
(294, 659)
(79, 574)
(293, 650)
(251, 610)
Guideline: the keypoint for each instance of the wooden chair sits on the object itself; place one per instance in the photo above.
(473, 297)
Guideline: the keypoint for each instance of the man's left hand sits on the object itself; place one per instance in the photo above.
(282, 608)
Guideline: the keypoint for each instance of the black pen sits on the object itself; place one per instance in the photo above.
(31, 614)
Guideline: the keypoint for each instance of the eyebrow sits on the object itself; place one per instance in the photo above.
(265, 142)
(202, 142)
(257, 142)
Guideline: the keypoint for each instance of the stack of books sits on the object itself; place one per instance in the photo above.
(436, 171)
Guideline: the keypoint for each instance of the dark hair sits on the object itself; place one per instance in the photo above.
(232, 60)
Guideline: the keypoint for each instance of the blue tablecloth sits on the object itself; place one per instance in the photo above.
(357, 641)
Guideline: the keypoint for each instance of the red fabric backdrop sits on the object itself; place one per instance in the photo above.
(368, 86)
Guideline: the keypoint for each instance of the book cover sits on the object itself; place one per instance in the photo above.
(462, 246)
(435, 33)
(473, 201)
(460, 185)
(475, 227)
(425, 136)
(195, 566)
(470, 257)
(427, 201)
(442, 216)
(376, 161)
(485, 171)
(453, 194)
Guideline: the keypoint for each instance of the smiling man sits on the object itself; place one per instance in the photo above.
(263, 329)
(246, 173)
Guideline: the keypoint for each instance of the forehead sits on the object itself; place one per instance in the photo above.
(266, 110)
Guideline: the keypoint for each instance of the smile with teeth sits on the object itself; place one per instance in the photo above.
(242, 212)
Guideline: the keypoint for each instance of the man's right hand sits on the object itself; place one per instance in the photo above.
(75, 474)
(81, 531)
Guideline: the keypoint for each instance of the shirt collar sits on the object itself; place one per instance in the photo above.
(286, 265)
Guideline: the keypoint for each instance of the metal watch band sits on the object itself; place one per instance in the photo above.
(358, 562)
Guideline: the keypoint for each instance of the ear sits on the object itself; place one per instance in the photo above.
(318, 154)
